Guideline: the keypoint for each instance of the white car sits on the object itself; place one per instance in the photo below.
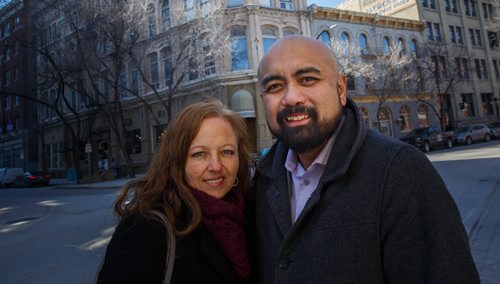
(473, 133)
(9, 175)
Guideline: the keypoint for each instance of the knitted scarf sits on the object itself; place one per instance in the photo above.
(224, 219)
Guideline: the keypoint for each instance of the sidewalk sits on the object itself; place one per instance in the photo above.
(111, 184)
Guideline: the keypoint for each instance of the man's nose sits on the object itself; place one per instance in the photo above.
(293, 95)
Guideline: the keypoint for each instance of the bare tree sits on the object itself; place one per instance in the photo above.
(104, 41)
(443, 68)
(387, 74)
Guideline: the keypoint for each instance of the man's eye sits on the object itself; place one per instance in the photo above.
(273, 87)
(308, 80)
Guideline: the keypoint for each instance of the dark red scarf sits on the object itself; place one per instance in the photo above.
(224, 219)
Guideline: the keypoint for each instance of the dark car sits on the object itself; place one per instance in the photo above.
(426, 138)
(33, 179)
(495, 129)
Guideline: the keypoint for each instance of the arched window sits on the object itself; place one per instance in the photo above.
(344, 38)
(239, 50)
(153, 70)
(422, 116)
(387, 45)
(413, 47)
(268, 38)
(363, 44)
(404, 119)
(365, 115)
(289, 32)
(166, 58)
(165, 14)
(401, 45)
(152, 19)
(384, 121)
(324, 37)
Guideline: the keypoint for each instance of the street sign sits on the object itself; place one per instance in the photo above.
(88, 148)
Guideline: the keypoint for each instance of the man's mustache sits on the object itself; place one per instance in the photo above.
(282, 114)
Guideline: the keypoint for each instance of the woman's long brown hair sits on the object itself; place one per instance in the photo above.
(163, 187)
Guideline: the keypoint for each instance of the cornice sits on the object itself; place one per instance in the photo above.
(364, 18)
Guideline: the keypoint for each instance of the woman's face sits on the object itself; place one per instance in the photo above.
(212, 161)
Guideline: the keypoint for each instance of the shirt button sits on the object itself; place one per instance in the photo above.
(306, 182)
(283, 262)
(276, 193)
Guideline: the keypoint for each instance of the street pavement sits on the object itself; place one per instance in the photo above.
(477, 200)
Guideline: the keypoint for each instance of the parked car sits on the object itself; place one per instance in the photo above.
(495, 129)
(473, 133)
(32, 179)
(9, 175)
(426, 138)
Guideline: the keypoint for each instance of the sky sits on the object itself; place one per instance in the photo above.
(324, 3)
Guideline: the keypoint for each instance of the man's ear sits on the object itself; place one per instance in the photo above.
(342, 89)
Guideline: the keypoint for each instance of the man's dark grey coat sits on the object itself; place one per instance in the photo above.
(380, 214)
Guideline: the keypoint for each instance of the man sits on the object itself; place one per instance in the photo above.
(340, 203)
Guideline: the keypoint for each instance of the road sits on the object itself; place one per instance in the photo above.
(50, 235)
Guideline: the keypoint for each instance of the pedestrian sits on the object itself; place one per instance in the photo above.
(199, 180)
(337, 202)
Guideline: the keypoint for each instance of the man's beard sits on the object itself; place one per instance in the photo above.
(305, 138)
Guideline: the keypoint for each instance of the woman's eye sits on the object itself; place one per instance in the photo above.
(198, 155)
(227, 152)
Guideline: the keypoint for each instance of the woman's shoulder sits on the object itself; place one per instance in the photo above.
(138, 225)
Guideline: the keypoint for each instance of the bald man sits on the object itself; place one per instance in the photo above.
(338, 202)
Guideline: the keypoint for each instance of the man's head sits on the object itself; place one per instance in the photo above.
(303, 92)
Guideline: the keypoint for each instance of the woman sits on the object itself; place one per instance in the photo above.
(199, 180)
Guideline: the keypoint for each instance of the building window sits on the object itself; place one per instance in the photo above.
(324, 37)
(234, 3)
(286, 4)
(268, 38)
(365, 115)
(288, 32)
(487, 103)
(209, 64)
(437, 32)
(123, 85)
(404, 119)
(165, 14)
(478, 38)
(166, 55)
(134, 81)
(363, 44)
(413, 47)
(430, 32)
(387, 45)
(265, 3)
(488, 11)
(193, 69)
(422, 116)
(459, 35)
(496, 64)
(133, 141)
(468, 105)
(158, 132)
(239, 51)
(401, 46)
(453, 37)
(470, 8)
(152, 19)
(154, 72)
(481, 69)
